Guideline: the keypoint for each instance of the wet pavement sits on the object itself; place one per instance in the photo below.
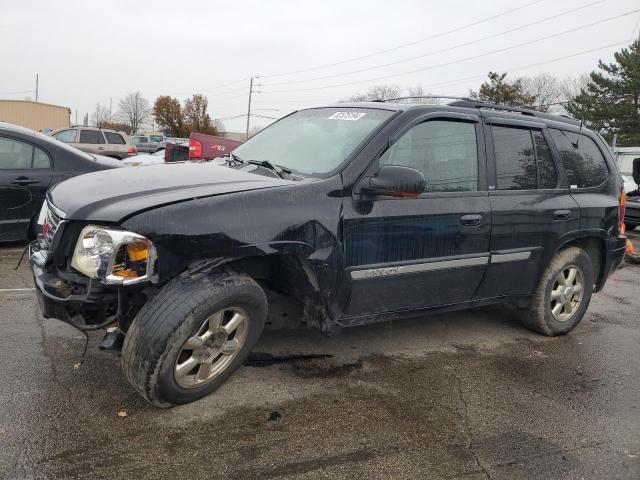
(468, 395)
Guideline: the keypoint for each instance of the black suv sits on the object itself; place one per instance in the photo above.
(332, 217)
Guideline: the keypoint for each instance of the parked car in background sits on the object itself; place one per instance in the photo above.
(148, 143)
(99, 141)
(352, 214)
(632, 208)
(30, 163)
(145, 159)
(208, 147)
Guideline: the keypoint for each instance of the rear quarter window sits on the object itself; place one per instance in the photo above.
(582, 160)
(114, 138)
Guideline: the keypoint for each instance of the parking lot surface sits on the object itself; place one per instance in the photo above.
(468, 395)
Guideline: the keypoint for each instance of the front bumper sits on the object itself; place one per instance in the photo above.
(64, 295)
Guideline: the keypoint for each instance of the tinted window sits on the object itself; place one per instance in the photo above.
(444, 151)
(519, 164)
(40, 159)
(114, 138)
(91, 136)
(67, 136)
(547, 174)
(156, 138)
(582, 159)
(139, 140)
(15, 154)
(515, 159)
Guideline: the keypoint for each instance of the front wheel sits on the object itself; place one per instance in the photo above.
(563, 294)
(187, 340)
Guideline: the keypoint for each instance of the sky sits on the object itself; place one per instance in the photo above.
(305, 53)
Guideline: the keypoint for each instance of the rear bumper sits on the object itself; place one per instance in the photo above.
(615, 248)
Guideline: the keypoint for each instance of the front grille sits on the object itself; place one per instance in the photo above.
(52, 221)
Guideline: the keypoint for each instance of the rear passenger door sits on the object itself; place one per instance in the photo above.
(91, 141)
(531, 207)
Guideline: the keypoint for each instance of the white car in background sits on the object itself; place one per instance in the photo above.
(145, 159)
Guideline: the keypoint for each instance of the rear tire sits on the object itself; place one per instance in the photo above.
(167, 336)
(563, 294)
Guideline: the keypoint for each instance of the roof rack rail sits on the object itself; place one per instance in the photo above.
(471, 103)
(448, 97)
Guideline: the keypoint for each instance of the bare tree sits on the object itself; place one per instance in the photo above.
(101, 116)
(378, 93)
(218, 126)
(134, 110)
(551, 93)
(255, 129)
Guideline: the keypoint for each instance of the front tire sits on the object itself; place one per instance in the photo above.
(563, 294)
(187, 340)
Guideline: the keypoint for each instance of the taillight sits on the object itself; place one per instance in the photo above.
(195, 149)
(132, 151)
(623, 207)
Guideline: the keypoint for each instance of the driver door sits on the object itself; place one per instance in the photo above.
(406, 253)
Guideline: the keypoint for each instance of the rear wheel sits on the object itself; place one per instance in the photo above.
(563, 294)
(187, 340)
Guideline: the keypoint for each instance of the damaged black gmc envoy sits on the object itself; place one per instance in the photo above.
(332, 217)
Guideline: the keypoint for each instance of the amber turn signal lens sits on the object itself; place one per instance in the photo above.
(137, 251)
(125, 273)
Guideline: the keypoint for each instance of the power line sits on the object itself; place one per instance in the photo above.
(431, 67)
(17, 92)
(457, 29)
(472, 42)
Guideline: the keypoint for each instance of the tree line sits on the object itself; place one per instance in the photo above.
(606, 100)
(167, 114)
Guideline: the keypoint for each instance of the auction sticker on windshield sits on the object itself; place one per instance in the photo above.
(347, 116)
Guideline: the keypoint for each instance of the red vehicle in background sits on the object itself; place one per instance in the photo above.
(208, 147)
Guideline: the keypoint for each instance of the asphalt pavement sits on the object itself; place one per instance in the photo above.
(469, 395)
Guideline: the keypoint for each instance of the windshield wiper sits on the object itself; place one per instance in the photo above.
(271, 166)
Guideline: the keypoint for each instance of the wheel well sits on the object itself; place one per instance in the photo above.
(595, 248)
(292, 289)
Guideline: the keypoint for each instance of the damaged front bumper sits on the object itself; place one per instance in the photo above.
(71, 297)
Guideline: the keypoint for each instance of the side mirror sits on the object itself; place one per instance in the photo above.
(395, 181)
(636, 171)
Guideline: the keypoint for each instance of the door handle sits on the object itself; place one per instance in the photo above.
(562, 214)
(471, 220)
(100, 148)
(23, 182)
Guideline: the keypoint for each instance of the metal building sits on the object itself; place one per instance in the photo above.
(38, 116)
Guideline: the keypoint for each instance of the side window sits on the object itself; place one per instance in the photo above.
(114, 138)
(547, 174)
(445, 151)
(14, 154)
(40, 159)
(91, 136)
(583, 161)
(523, 159)
(515, 159)
(66, 136)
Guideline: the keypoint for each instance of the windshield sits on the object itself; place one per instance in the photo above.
(313, 141)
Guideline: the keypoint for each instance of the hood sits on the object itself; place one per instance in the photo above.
(111, 195)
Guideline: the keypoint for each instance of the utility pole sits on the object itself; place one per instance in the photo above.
(36, 87)
(110, 101)
(249, 108)
(76, 117)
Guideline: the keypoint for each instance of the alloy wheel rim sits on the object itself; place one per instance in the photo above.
(566, 293)
(212, 347)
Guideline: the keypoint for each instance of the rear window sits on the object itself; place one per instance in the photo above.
(156, 138)
(91, 136)
(114, 138)
(583, 161)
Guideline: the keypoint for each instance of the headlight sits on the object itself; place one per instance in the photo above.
(113, 256)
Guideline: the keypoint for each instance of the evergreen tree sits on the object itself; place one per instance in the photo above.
(611, 101)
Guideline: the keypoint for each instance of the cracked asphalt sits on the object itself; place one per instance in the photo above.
(468, 395)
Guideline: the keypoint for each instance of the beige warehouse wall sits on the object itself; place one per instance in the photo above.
(35, 115)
